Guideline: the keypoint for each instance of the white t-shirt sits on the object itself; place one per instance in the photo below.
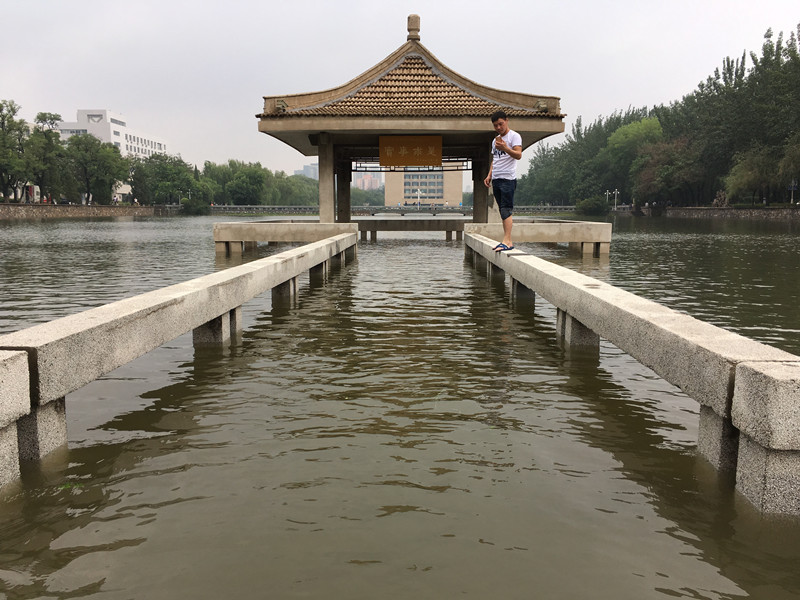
(504, 166)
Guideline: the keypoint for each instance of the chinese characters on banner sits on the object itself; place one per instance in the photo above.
(410, 150)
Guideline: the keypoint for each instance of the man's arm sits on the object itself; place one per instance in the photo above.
(515, 152)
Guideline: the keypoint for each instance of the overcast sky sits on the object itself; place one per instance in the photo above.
(194, 73)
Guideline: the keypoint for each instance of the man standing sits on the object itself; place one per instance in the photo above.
(506, 151)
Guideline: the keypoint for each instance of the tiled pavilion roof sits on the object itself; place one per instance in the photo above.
(413, 88)
(410, 92)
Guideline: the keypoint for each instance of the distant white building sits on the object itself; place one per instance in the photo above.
(113, 128)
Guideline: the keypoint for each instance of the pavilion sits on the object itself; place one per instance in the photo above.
(408, 95)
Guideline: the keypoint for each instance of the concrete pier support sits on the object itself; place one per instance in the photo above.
(344, 175)
(521, 292)
(236, 322)
(469, 255)
(286, 290)
(480, 193)
(327, 179)
(216, 331)
(9, 454)
(717, 440)
(448, 236)
(232, 248)
(595, 249)
(495, 273)
(574, 333)
(765, 409)
(769, 479)
(43, 430)
(319, 273)
(363, 235)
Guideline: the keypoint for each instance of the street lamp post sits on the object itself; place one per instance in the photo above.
(616, 193)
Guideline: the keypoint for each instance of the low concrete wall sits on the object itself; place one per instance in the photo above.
(744, 387)
(279, 231)
(40, 365)
(755, 214)
(12, 212)
(592, 236)
(411, 224)
(546, 231)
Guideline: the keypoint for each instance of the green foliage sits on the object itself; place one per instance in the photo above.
(752, 173)
(789, 166)
(595, 206)
(295, 190)
(359, 197)
(161, 179)
(46, 158)
(96, 167)
(578, 168)
(13, 133)
(740, 129)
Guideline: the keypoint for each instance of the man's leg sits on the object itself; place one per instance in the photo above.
(507, 223)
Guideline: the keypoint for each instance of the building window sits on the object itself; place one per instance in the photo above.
(116, 133)
(117, 122)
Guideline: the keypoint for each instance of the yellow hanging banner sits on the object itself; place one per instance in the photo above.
(410, 150)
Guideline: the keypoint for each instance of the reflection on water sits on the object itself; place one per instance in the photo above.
(403, 429)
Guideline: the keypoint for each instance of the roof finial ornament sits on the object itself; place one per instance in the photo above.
(413, 28)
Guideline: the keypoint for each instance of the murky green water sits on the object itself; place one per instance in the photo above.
(404, 429)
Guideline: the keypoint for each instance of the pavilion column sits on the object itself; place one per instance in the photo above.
(327, 183)
(480, 193)
(344, 175)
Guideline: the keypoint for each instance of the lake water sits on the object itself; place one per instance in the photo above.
(404, 429)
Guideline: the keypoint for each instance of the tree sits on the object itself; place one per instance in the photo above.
(613, 164)
(45, 156)
(162, 179)
(247, 186)
(359, 197)
(13, 133)
(96, 166)
(667, 171)
(596, 205)
(789, 166)
(753, 173)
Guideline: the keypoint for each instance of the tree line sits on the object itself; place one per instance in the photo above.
(83, 167)
(735, 139)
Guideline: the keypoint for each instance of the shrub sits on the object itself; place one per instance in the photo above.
(596, 205)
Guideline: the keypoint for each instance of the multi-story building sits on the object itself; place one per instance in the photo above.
(113, 128)
(311, 171)
(420, 184)
(367, 181)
